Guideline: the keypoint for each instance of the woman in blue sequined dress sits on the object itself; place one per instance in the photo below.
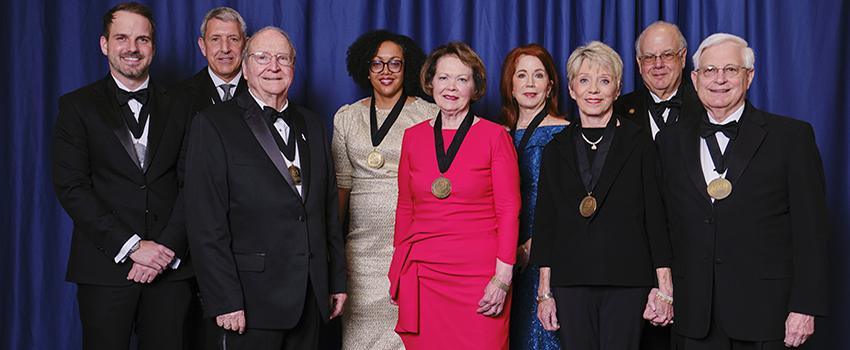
(529, 89)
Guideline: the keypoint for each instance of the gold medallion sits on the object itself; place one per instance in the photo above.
(295, 173)
(719, 188)
(375, 159)
(441, 187)
(587, 206)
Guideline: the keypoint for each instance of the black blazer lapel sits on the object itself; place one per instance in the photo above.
(642, 110)
(622, 147)
(254, 118)
(108, 108)
(691, 143)
(304, 140)
(242, 87)
(750, 136)
(157, 120)
(210, 91)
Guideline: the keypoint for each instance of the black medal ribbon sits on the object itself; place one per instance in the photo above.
(529, 130)
(590, 172)
(708, 131)
(287, 148)
(445, 158)
(378, 134)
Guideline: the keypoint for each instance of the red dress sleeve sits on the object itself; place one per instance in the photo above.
(506, 196)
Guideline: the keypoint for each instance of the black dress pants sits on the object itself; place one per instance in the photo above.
(600, 318)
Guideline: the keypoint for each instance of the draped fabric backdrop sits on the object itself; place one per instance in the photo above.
(801, 48)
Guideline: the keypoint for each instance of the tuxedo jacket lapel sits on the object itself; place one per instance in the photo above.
(621, 148)
(209, 88)
(750, 136)
(254, 118)
(691, 144)
(108, 108)
(303, 141)
(157, 120)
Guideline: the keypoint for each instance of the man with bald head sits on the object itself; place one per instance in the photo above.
(660, 51)
(262, 209)
(745, 197)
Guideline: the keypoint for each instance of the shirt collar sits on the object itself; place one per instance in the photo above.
(218, 81)
(735, 116)
(658, 99)
(125, 88)
(264, 105)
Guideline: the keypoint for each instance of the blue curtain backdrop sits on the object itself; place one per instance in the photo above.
(801, 47)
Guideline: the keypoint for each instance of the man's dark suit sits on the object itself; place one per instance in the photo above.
(98, 181)
(748, 260)
(256, 243)
(634, 106)
(203, 93)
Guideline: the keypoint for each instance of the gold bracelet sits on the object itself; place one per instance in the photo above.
(664, 297)
(544, 297)
(499, 284)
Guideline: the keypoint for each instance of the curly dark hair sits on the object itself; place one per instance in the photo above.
(366, 46)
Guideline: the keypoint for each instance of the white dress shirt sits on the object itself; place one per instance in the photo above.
(218, 81)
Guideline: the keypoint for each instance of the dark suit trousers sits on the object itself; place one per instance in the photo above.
(600, 318)
(157, 312)
(717, 339)
(304, 336)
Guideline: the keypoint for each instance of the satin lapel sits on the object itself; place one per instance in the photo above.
(750, 136)
(254, 119)
(157, 119)
(621, 148)
(691, 143)
(304, 141)
(108, 109)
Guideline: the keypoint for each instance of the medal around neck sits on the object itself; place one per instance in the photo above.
(441, 187)
(719, 188)
(375, 159)
(587, 206)
(295, 173)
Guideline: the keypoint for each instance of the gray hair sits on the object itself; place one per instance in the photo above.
(224, 14)
(596, 52)
(747, 54)
(683, 44)
(248, 43)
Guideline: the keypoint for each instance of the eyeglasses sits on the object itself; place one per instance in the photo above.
(731, 70)
(665, 57)
(264, 58)
(394, 65)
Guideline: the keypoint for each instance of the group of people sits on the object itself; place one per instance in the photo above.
(424, 225)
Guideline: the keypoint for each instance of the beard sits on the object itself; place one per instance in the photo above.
(129, 72)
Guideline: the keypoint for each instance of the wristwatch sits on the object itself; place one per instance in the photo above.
(544, 297)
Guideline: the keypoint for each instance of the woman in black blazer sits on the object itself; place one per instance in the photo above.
(600, 232)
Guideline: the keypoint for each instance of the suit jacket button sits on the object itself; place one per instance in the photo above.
(708, 221)
(718, 261)
(142, 187)
(300, 218)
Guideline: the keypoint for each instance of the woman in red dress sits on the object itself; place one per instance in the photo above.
(457, 216)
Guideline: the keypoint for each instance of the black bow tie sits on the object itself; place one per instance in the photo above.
(272, 116)
(729, 129)
(671, 103)
(125, 96)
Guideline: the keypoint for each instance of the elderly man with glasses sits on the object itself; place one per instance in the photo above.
(660, 51)
(262, 209)
(746, 204)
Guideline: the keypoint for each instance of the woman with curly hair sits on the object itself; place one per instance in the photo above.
(366, 147)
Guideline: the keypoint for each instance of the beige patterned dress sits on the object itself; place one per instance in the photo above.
(369, 319)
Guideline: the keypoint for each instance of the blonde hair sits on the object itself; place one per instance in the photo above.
(595, 52)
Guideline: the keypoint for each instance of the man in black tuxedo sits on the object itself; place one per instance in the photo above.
(746, 201)
(115, 152)
(660, 51)
(223, 35)
(262, 209)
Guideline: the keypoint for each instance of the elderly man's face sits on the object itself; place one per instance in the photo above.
(129, 47)
(661, 60)
(222, 46)
(725, 91)
(273, 78)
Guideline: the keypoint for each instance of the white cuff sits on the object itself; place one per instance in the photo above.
(123, 254)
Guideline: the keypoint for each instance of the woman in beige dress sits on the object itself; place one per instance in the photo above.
(366, 146)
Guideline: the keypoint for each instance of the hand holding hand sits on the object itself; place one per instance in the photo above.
(142, 274)
(153, 255)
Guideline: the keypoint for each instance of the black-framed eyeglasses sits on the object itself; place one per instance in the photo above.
(666, 57)
(263, 58)
(729, 70)
(394, 65)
